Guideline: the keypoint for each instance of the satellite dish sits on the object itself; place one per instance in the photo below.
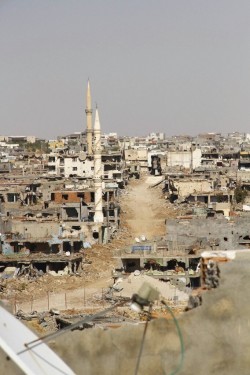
(36, 359)
(82, 156)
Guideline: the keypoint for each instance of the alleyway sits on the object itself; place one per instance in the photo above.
(144, 208)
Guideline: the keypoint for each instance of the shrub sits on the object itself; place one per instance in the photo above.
(240, 194)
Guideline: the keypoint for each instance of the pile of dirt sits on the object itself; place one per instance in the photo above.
(166, 290)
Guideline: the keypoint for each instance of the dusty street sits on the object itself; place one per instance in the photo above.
(144, 208)
(144, 211)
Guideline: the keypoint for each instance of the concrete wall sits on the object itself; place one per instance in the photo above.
(185, 188)
(34, 229)
(60, 197)
(74, 166)
(43, 231)
(53, 164)
(136, 154)
(223, 206)
(71, 212)
(226, 234)
(48, 187)
(179, 158)
(185, 159)
(243, 175)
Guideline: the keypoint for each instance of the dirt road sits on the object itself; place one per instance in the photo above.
(144, 208)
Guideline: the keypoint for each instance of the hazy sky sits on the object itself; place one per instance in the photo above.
(177, 66)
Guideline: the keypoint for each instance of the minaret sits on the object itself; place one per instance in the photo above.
(98, 217)
(88, 112)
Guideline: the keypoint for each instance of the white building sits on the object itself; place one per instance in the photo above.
(71, 165)
(186, 159)
(139, 155)
(78, 166)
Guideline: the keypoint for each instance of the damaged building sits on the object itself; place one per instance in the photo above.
(66, 205)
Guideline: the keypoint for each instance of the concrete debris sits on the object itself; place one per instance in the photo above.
(193, 302)
(131, 285)
(9, 272)
(86, 245)
(212, 275)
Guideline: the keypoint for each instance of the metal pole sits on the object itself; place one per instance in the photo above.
(15, 308)
(48, 299)
(108, 216)
(32, 344)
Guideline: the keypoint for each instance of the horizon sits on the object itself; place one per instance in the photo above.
(175, 66)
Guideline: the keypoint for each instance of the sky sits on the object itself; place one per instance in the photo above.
(172, 66)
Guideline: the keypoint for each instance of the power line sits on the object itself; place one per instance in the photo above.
(143, 339)
(181, 361)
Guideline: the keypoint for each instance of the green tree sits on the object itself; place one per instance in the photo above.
(240, 194)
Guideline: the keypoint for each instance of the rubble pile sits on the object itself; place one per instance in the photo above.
(130, 285)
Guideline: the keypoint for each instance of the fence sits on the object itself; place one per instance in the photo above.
(85, 298)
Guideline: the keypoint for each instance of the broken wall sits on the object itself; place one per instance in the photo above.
(215, 233)
(187, 187)
(67, 196)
